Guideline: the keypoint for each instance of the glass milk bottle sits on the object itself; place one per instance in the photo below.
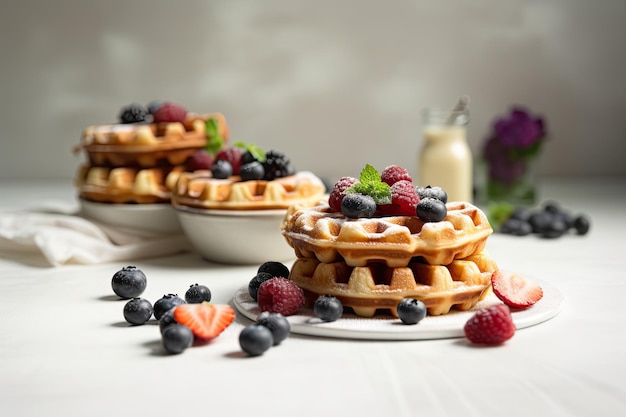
(445, 159)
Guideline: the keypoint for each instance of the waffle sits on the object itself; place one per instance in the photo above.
(199, 190)
(328, 236)
(126, 185)
(367, 289)
(147, 145)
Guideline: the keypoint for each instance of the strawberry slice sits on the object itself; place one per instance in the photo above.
(515, 290)
(205, 320)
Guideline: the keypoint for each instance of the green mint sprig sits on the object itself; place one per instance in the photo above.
(257, 153)
(371, 184)
(215, 139)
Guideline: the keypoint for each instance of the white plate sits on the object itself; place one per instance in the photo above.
(160, 218)
(450, 325)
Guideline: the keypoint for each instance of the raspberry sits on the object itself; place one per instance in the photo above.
(336, 195)
(280, 295)
(169, 112)
(395, 173)
(404, 199)
(492, 326)
(232, 155)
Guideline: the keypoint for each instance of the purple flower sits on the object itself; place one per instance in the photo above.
(519, 129)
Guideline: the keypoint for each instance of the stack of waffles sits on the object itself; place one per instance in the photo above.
(140, 162)
(371, 264)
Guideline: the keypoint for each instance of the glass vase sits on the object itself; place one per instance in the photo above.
(518, 188)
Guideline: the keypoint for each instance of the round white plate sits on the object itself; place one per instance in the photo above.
(450, 325)
(160, 218)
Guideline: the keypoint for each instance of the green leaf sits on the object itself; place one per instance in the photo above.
(370, 184)
(257, 152)
(215, 140)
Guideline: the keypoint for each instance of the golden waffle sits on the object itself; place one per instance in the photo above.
(366, 289)
(199, 190)
(126, 185)
(330, 237)
(147, 144)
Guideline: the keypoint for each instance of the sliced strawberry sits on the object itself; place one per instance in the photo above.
(205, 320)
(515, 290)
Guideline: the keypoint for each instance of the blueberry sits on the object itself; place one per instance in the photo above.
(540, 220)
(129, 282)
(327, 308)
(255, 283)
(357, 206)
(154, 106)
(251, 171)
(432, 192)
(277, 269)
(582, 224)
(221, 169)
(555, 228)
(165, 303)
(167, 319)
(411, 311)
(521, 213)
(176, 338)
(431, 210)
(517, 227)
(255, 339)
(137, 310)
(277, 323)
(197, 293)
(247, 157)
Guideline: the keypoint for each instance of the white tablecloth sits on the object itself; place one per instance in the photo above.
(65, 349)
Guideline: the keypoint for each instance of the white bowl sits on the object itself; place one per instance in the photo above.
(159, 218)
(240, 237)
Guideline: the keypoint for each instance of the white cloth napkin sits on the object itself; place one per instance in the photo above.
(67, 238)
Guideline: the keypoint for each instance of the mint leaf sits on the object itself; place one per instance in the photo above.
(257, 152)
(215, 140)
(370, 184)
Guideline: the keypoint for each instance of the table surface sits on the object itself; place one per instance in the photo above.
(65, 349)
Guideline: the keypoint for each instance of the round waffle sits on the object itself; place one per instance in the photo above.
(367, 289)
(147, 145)
(126, 185)
(199, 190)
(327, 236)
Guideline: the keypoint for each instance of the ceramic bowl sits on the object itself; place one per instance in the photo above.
(239, 237)
(158, 218)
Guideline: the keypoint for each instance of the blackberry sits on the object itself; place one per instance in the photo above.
(133, 113)
(277, 165)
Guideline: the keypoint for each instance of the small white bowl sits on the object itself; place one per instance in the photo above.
(158, 218)
(239, 237)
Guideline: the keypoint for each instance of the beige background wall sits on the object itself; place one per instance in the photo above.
(334, 84)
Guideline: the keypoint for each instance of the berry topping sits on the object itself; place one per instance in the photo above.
(277, 323)
(327, 308)
(280, 295)
(205, 320)
(169, 112)
(255, 283)
(431, 210)
(337, 193)
(176, 338)
(222, 169)
(404, 199)
(133, 113)
(411, 311)
(395, 173)
(432, 192)
(277, 269)
(356, 206)
(370, 184)
(165, 303)
(129, 282)
(582, 224)
(515, 290)
(137, 310)
(197, 293)
(200, 159)
(255, 339)
(492, 326)
(231, 155)
(251, 171)
(277, 165)
(153, 106)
